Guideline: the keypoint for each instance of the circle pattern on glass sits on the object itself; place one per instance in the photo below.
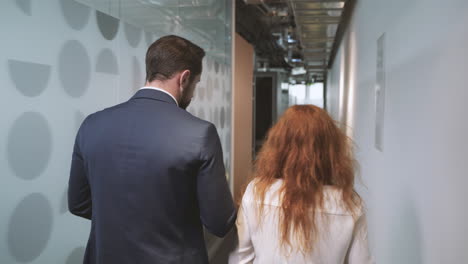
(212, 117)
(201, 92)
(30, 78)
(209, 89)
(76, 257)
(138, 79)
(133, 34)
(228, 116)
(222, 117)
(108, 25)
(30, 227)
(29, 145)
(228, 143)
(64, 202)
(25, 6)
(74, 68)
(149, 38)
(216, 84)
(107, 62)
(209, 64)
(76, 14)
(216, 117)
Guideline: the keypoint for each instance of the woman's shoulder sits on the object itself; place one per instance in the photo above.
(332, 198)
(333, 202)
(272, 194)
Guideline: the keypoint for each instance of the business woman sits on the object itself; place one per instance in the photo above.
(301, 206)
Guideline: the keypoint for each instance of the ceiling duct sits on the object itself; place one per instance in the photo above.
(308, 31)
(257, 26)
(254, 2)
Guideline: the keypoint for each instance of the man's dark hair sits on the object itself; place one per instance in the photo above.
(170, 55)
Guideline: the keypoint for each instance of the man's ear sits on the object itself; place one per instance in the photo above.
(185, 77)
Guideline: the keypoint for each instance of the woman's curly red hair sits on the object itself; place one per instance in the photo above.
(308, 151)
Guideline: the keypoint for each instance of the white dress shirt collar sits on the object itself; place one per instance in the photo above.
(161, 90)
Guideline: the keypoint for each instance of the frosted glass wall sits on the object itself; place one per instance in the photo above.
(61, 60)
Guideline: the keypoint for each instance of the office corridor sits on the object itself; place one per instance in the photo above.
(392, 74)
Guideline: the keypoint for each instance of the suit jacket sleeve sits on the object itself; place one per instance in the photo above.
(217, 210)
(79, 192)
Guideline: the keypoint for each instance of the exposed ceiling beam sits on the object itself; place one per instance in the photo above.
(307, 44)
(317, 68)
(294, 1)
(316, 55)
(346, 18)
(312, 59)
(317, 1)
(318, 10)
(320, 23)
(316, 39)
(321, 50)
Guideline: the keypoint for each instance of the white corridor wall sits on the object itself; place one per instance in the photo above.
(417, 186)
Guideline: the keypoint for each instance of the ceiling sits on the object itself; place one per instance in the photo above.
(292, 34)
(287, 34)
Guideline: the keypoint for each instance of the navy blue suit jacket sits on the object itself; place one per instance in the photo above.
(149, 174)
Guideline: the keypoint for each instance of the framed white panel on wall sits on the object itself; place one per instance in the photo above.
(380, 93)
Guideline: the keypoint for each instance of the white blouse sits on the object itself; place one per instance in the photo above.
(343, 242)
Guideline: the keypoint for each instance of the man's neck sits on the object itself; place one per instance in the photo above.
(163, 86)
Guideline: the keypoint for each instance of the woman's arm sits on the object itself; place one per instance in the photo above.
(244, 252)
(358, 252)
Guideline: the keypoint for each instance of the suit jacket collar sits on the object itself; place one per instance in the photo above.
(153, 95)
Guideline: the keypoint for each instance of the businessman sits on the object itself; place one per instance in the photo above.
(147, 173)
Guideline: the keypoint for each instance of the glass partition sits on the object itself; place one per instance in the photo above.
(62, 60)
